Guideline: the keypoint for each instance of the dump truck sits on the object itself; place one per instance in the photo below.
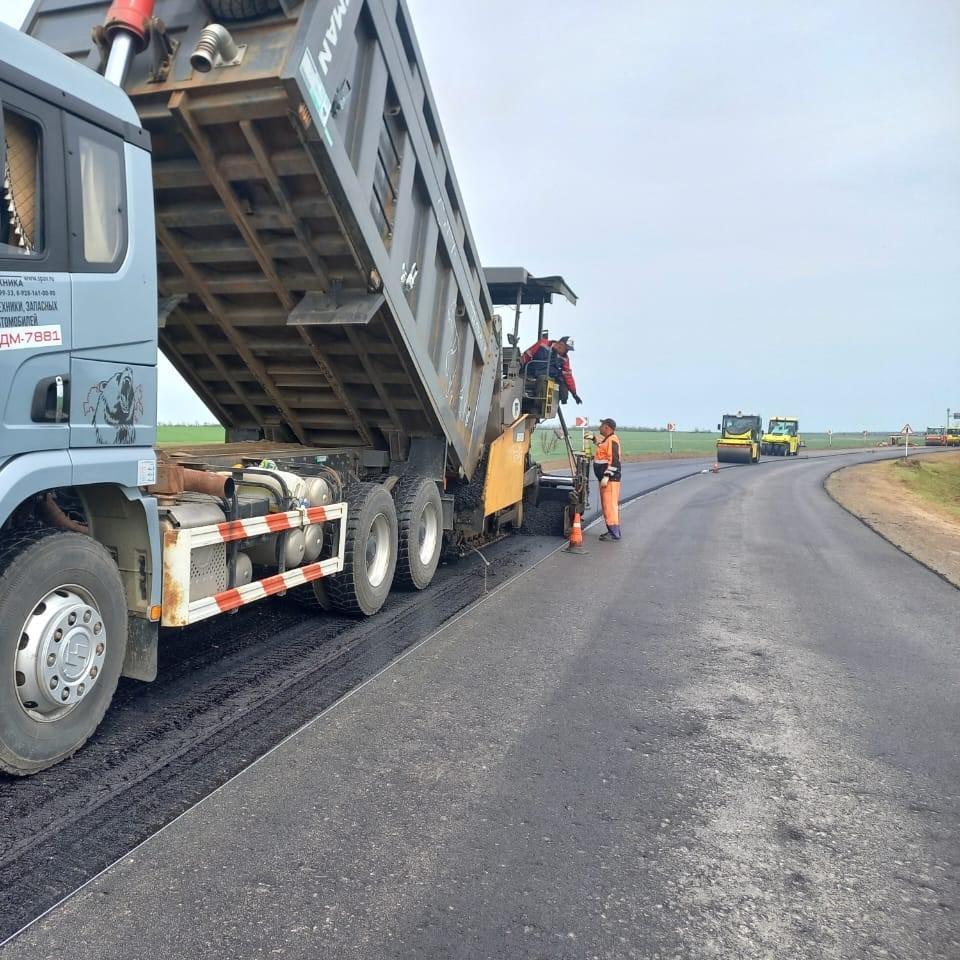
(739, 440)
(262, 190)
(782, 438)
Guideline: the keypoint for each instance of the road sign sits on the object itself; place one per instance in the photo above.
(671, 427)
(905, 433)
(829, 433)
(580, 422)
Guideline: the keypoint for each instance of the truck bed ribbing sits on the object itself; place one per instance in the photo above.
(318, 277)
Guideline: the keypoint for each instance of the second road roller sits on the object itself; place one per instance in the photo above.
(782, 437)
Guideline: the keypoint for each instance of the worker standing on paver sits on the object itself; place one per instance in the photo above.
(606, 465)
(551, 358)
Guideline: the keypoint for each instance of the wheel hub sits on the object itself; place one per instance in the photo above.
(377, 554)
(428, 534)
(63, 644)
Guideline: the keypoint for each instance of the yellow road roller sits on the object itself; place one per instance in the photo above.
(782, 438)
(739, 438)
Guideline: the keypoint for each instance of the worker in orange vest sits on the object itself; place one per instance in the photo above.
(606, 465)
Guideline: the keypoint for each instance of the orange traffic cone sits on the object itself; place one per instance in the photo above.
(575, 545)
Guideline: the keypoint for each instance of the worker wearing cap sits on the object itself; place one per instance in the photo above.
(606, 465)
(551, 358)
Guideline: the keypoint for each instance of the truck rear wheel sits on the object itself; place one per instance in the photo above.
(242, 9)
(420, 517)
(370, 552)
(63, 638)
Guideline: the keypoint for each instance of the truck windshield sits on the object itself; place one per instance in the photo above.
(738, 425)
(783, 428)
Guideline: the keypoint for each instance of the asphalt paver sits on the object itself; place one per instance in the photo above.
(733, 734)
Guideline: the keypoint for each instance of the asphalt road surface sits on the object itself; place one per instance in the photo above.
(734, 734)
(228, 690)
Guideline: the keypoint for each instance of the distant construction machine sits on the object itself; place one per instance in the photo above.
(739, 438)
(782, 438)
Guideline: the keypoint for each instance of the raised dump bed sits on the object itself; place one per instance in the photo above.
(319, 282)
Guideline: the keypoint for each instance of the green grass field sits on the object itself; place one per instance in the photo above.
(187, 434)
(935, 480)
(546, 446)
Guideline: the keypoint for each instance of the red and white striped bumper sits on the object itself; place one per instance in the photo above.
(179, 611)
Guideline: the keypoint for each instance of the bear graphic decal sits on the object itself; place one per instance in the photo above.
(114, 407)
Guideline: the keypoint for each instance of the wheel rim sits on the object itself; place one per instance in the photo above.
(63, 643)
(428, 534)
(378, 550)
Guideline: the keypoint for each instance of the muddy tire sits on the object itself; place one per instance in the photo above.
(420, 522)
(242, 9)
(63, 639)
(313, 595)
(370, 552)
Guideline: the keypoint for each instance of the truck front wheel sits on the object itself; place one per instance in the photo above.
(370, 553)
(63, 637)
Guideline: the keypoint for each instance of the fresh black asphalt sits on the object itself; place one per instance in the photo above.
(732, 735)
(227, 691)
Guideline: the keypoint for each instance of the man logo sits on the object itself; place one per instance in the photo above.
(325, 54)
(77, 652)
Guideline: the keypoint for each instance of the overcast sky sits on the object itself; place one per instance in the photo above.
(757, 202)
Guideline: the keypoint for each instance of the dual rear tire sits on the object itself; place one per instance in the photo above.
(420, 529)
(389, 541)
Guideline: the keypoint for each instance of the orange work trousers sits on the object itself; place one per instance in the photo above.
(610, 504)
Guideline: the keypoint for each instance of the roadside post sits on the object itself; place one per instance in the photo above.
(906, 431)
(829, 438)
(582, 422)
(670, 428)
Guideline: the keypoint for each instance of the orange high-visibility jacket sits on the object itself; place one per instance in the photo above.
(606, 461)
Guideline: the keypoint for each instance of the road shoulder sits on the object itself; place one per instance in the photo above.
(878, 494)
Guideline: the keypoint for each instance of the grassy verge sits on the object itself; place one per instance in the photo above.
(689, 444)
(182, 434)
(648, 444)
(935, 481)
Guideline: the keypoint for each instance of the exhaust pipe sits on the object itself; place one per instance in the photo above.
(202, 481)
(215, 48)
(173, 480)
(126, 29)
